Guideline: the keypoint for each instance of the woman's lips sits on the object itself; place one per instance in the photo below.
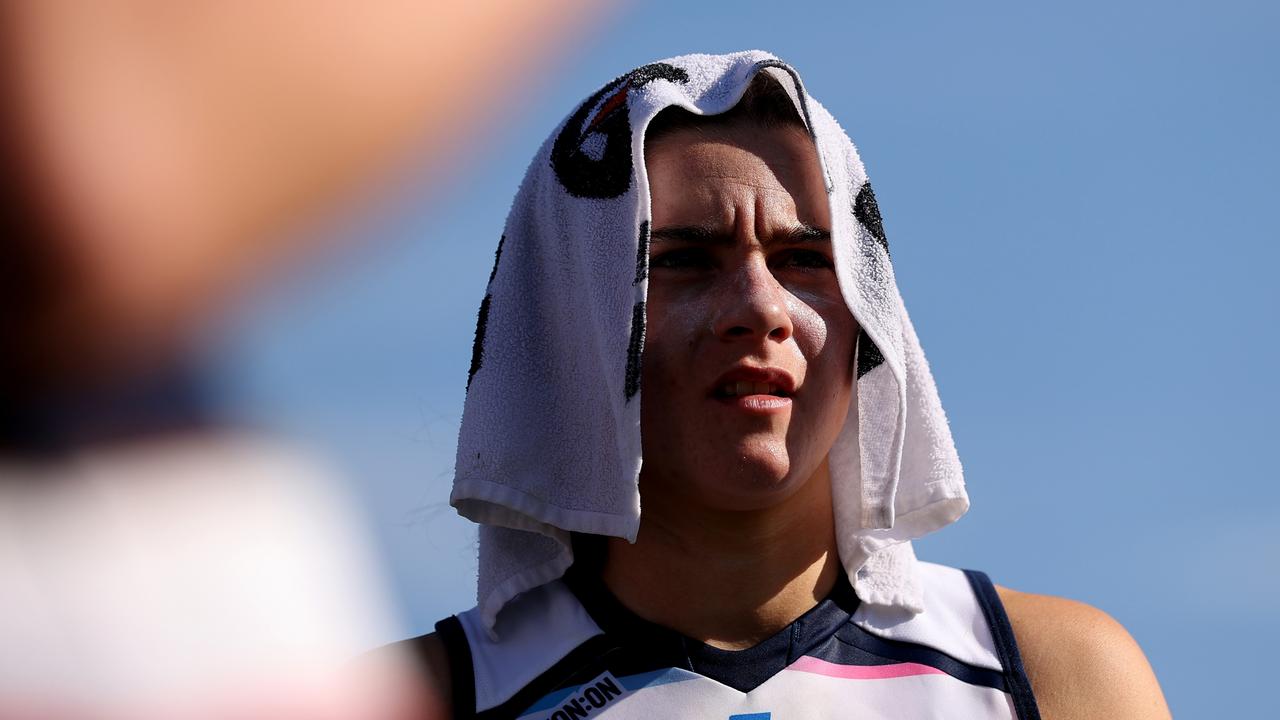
(750, 380)
(747, 387)
(756, 390)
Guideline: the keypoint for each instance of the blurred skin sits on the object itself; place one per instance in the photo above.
(747, 382)
(161, 157)
(170, 153)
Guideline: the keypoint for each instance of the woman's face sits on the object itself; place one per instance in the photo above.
(748, 357)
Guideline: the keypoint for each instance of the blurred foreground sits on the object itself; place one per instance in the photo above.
(163, 160)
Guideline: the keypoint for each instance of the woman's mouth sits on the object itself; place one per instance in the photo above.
(766, 393)
(743, 388)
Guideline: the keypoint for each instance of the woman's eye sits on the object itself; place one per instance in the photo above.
(804, 259)
(681, 259)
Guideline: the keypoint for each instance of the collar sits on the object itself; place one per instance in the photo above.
(742, 670)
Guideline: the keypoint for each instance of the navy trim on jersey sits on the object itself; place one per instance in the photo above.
(631, 646)
(1024, 701)
(462, 674)
(577, 667)
(742, 670)
(855, 646)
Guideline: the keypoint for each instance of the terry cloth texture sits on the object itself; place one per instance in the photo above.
(550, 437)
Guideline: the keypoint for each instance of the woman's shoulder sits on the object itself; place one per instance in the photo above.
(434, 662)
(1080, 661)
(428, 659)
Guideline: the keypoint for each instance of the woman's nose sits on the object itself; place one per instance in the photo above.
(752, 305)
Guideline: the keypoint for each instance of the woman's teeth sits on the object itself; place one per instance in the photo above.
(740, 388)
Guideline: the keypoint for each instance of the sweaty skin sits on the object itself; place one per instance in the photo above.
(737, 505)
(735, 486)
(741, 281)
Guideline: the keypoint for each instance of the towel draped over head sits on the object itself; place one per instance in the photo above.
(550, 437)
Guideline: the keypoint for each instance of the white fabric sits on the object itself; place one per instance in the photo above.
(952, 620)
(537, 631)
(550, 438)
(198, 575)
(542, 626)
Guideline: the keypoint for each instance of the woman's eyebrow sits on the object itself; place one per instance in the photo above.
(701, 235)
(804, 233)
(693, 234)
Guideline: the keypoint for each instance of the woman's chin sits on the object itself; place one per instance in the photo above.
(748, 485)
(747, 476)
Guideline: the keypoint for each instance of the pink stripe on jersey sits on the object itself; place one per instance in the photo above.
(861, 672)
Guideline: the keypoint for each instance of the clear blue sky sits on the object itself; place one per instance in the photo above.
(1081, 199)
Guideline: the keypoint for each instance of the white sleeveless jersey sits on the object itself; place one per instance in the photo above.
(569, 650)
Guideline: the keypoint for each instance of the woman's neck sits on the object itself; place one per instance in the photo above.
(728, 578)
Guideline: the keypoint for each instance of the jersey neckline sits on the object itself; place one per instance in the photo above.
(743, 670)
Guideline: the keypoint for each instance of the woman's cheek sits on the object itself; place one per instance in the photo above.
(809, 327)
(664, 334)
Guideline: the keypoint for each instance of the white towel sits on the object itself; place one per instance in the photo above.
(550, 437)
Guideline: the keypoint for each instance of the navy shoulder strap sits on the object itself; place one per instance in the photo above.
(462, 676)
(1024, 701)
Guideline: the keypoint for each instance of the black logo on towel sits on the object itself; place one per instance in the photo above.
(867, 211)
(590, 698)
(602, 170)
(482, 319)
(642, 254)
(635, 350)
(869, 356)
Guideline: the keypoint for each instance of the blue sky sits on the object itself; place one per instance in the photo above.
(1081, 202)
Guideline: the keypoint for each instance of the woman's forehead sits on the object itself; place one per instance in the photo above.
(715, 177)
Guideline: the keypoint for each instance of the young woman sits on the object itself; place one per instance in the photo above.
(693, 311)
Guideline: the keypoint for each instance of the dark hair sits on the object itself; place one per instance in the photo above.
(765, 104)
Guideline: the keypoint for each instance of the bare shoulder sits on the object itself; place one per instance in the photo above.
(1080, 661)
(429, 663)
(435, 662)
